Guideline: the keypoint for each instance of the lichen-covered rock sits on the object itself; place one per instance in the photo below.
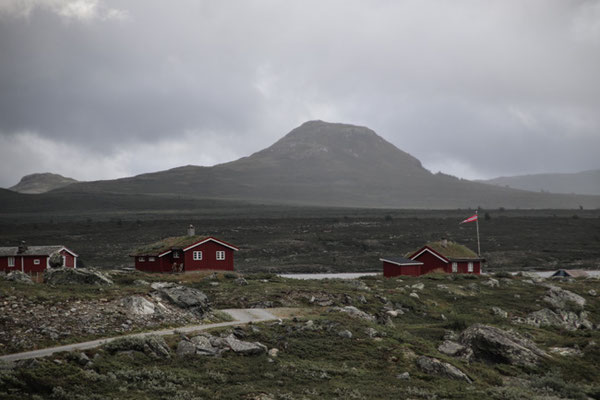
(356, 313)
(246, 348)
(77, 276)
(183, 296)
(561, 319)
(19, 277)
(186, 348)
(433, 366)
(151, 345)
(560, 299)
(494, 345)
(451, 348)
(137, 305)
(499, 312)
(491, 283)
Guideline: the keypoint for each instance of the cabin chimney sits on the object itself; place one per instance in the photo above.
(22, 247)
(444, 242)
(191, 231)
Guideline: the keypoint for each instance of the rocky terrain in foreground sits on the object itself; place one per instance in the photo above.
(437, 336)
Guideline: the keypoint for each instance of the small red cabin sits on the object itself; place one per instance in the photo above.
(185, 253)
(34, 259)
(442, 256)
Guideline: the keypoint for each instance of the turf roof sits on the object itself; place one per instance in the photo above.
(452, 250)
(167, 244)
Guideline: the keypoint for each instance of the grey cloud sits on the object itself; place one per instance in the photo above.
(501, 87)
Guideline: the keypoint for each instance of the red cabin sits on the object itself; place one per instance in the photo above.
(185, 253)
(34, 259)
(442, 256)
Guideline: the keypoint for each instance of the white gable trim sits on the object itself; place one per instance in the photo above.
(429, 251)
(68, 251)
(401, 264)
(213, 240)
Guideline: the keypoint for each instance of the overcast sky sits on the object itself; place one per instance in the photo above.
(97, 89)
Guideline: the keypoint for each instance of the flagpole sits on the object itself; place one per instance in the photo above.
(477, 224)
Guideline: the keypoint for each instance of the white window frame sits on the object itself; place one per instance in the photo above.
(11, 261)
(220, 255)
(455, 267)
(151, 259)
(141, 259)
(470, 266)
(197, 255)
(175, 254)
(36, 261)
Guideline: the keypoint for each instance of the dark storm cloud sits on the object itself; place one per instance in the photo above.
(472, 88)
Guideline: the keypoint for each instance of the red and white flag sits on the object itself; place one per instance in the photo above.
(470, 219)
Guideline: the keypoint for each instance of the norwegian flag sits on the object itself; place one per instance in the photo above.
(470, 219)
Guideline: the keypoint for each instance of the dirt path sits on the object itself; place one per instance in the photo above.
(240, 316)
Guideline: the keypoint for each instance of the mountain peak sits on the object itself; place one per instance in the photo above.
(41, 182)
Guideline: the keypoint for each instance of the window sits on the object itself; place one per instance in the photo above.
(36, 262)
(175, 254)
(197, 255)
(454, 267)
(151, 259)
(470, 267)
(220, 255)
(11, 261)
(141, 259)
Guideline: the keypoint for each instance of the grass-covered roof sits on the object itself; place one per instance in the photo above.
(451, 250)
(166, 244)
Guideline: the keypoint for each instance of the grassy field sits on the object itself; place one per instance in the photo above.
(300, 239)
(315, 362)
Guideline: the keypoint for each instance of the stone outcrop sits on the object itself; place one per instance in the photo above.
(151, 345)
(208, 345)
(494, 345)
(19, 277)
(433, 366)
(137, 305)
(569, 320)
(183, 296)
(75, 276)
(356, 313)
(560, 299)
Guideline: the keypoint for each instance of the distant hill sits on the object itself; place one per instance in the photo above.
(586, 182)
(41, 183)
(330, 164)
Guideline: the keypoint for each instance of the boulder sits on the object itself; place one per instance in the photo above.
(137, 305)
(183, 296)
(499, 312)
(151, 345)
(356, 313)
(346, 334)
(494, 345)
(204, 346)
(186, 348)
(433, 366)
(491, 283)
(451, 348)
(19, 277)
(418, 286)
(569, 320)
(560, 299)
(75, 276)
(241, 281)
(245, 348)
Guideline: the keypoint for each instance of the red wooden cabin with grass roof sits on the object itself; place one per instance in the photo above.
(443, 256)
(185, 253)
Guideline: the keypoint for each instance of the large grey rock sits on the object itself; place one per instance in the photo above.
(491, 283)
(356, 313)
(204, 346)
(560, 299)
(75, 276)
(451, 348)
(494, 345)
(183, 296)
(186, 348)
(151, 345)
(569, 320)
(137, 305)
(19, 277)
(433, 366)
(345, 333)
(499, 312)
(246, 348)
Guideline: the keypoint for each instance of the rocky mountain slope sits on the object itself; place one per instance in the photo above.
(41, 183)
(329, 164)
(586, 182)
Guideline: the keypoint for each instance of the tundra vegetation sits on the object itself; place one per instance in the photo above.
(429, 337)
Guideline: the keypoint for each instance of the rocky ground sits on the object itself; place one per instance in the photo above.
(433, 337)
